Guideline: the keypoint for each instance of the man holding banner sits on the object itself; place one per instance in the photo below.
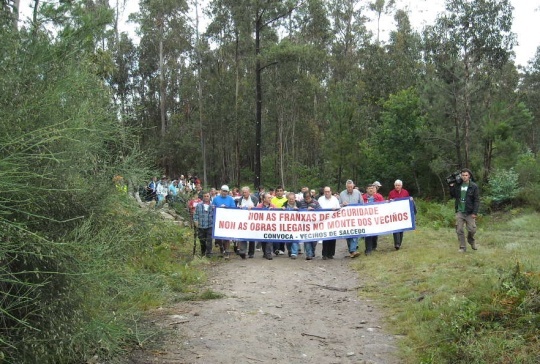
(351, 196)
(327, 201)
(311, 224)
(309, 203)
(224, 200)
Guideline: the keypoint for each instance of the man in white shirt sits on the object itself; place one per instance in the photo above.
(328, 201)
(247, 202)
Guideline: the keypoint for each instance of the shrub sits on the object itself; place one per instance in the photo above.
(435, 215)
(503, 186)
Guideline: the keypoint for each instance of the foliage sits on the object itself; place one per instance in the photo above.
(528, 168)
(528, 196)
(78, 257)
(503, 186)
(435, 215)
(450, 307)
(81, 103)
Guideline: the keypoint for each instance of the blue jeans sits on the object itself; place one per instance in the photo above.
(352, 243)
(292, 248)
(310, 247)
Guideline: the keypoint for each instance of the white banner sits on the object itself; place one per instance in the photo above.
(308, 225)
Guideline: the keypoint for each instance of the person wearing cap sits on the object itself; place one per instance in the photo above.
(378, 186)
(224, 200)
(371, 196)
(398, 192)
(351, 196)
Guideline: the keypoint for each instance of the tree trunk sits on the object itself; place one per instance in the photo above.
(236, 106)
(258, 98)
(467, 121)
(200, 95)
(457, 125)
(16, 4)
(162, 85)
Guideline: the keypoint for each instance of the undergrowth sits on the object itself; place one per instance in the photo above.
(478, 307)
(96, 284)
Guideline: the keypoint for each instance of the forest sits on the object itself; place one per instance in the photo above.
(239, 92)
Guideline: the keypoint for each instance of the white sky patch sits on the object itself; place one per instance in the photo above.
(421, 13)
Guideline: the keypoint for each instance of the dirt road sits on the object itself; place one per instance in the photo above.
(278, 311)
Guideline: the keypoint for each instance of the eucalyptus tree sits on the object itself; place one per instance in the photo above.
(468, 42)
(404, 54)
(506, 122)
(347, 104)
(9, 12)
(530, 92)
(253, 23)
(380, 7)
(228, 67)
(164, 45)
(295, 94)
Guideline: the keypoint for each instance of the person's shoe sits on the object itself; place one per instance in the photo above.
(269, 257)
(276, 252)
(462, 250)
(226, 255)
(330, 257)
(289, 253)
(250, 256)
(299, 251)
(309, 258)
(281, 252)
(473, 246)
(258, 249)
(397, 247)
(324, 257)
(242, 255)
(293, 256)
(368, 253)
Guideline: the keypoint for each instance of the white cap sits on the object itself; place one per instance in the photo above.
(225, 188)
(377, 183)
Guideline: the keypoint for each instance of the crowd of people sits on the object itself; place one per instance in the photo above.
(201, 207)
(189, 193)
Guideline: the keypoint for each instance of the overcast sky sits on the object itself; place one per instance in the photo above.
(421, 13)
(525, 24)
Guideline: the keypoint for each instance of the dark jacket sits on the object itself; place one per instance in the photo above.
(472, 199)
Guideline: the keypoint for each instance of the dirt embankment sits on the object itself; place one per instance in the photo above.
(278, 311)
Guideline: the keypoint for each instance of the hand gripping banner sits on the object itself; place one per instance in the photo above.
(307, 225)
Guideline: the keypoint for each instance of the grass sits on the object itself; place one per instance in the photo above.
(478, 307)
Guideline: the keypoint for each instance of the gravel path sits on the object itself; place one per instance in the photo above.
(279, 311)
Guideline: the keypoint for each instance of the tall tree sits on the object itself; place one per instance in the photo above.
(165, 38)
(472, 39)
(530, 91)
(265, 14)
(380, 7)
